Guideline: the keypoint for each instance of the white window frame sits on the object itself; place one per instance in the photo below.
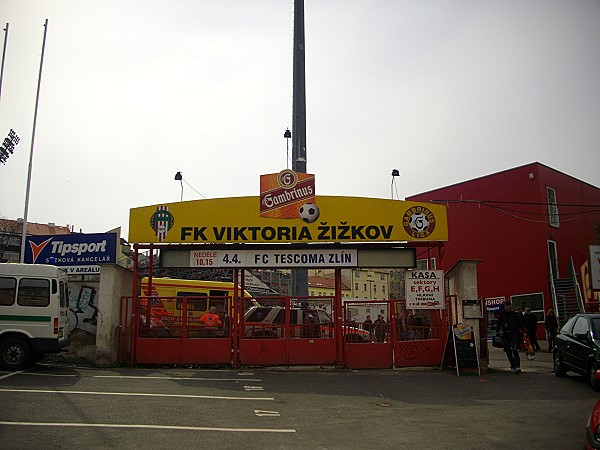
(553, 217)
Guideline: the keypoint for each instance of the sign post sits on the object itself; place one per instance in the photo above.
(461, 350)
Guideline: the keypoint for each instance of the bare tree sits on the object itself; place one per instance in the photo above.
(8, 229)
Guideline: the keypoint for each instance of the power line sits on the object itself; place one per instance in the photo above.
(508, 212)
(514, 203)
(194, 189)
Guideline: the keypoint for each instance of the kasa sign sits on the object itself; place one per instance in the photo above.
(76, 253)
(424, 289)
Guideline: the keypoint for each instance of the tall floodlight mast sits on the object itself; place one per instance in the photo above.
(299, 276)
(299, 93)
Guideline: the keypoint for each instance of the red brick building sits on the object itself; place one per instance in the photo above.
(530, 227)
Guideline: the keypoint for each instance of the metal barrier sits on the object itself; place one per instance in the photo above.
(278, 331)
(170, 330)
(288, 331)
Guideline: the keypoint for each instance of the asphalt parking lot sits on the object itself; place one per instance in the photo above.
(69, 406)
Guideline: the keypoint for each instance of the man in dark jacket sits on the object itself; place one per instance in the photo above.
(531, 323)
(509, 326)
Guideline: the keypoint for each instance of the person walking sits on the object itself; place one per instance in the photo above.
(509, 327)
(531, 323)
(551, 324)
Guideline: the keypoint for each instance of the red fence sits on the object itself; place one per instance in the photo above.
(280, 331)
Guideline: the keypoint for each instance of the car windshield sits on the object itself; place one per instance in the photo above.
(566, 329)
(596, 328)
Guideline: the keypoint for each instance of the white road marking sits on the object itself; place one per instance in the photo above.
(253, 388)
(154, 427)
(134, 394)
(49, 374)
(175, 378)
(10, 374)
(260, 413)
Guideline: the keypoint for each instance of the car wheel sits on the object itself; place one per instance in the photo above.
(592, 376)
(15, 354)
(559, 367)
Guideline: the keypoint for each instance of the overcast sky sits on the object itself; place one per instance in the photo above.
(442, 90)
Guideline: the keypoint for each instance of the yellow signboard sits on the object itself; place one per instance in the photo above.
(238, 220)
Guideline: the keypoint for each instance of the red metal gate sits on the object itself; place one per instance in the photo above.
(174, 335)
(372, 350)
(282, 331)
(288, 331)
(397, 338)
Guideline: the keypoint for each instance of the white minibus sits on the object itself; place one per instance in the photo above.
(34, 301)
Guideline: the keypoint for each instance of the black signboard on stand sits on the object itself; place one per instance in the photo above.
(461, 350)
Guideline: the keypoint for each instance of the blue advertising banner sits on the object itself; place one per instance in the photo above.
(77, 253)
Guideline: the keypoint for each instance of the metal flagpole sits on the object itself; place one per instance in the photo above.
(3, 56)
(37, 100)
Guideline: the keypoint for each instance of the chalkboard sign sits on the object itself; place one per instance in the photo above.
(461, 350)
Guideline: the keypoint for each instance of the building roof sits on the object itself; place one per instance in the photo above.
(531, 165)
(33, 228)
(327, 283)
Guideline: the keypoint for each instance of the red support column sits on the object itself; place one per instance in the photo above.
(337, 319)
(134, 306)
(236, 318)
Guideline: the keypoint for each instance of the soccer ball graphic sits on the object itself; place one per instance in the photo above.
(309, 212)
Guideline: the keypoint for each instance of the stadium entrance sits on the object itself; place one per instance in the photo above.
(236, 233)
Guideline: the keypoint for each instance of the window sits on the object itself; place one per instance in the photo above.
(580, 327)
(552, 207)
(383, 289)
(357, 274)
(8, 288)
(374, 289)
(258, 315)
(566, 329)
(356, 286)
(382, 277)
(422, 264)
(553, 258)
(34, 292)
(64, 294)
(596, 329)
(365, 287)
(535, 302)
(195, 303)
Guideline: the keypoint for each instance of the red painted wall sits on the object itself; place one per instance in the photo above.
(510, 239)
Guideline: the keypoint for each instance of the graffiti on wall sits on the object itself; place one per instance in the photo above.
(410, 350)
(83, 309)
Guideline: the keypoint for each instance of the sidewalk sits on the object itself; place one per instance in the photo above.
(541, 363)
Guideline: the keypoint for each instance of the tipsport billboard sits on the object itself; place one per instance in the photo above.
(76, 253)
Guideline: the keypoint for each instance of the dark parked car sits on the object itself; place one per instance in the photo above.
(578, 348)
